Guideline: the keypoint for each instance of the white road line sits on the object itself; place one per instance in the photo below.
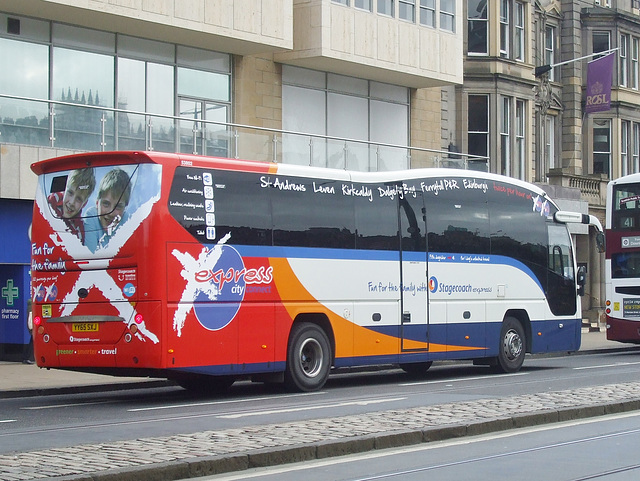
(54, 406)
(214, 403)
(470, 378)
(7, 420)
(617, 364)
(309, 408)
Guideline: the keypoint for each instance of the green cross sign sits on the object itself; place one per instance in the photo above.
(10, 292)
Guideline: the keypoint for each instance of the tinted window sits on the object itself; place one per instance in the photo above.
(211, 204)
(625, 265)
(412, 222)
(518, 230)
(376, 219)
(310, 213)
(242, 208)
(457, 217)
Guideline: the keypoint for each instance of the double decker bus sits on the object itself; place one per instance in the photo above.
(207, 270)
(622, 261)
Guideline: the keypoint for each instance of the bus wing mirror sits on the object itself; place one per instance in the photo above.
(600, 242)
(567, 217)
(581, 279)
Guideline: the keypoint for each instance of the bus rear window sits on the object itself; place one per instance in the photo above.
(94, 202)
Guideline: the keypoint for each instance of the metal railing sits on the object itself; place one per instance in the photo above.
(77, 126)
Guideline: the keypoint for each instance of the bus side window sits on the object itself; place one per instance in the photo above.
(518, 231)
(376, 223)
(242, 208)
(412, 223)
(305, 216)
(458, 221)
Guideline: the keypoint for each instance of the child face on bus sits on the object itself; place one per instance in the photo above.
(110, 209)
(73, 201)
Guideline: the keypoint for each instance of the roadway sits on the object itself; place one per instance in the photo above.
(37, 422)
(351, 404)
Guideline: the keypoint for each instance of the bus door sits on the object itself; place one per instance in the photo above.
(414, 322)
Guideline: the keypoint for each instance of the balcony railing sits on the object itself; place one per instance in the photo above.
(77, 126)
(593, 189)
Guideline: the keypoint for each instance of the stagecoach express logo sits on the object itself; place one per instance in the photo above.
(454, 289)
(218, 274)
(433, 284)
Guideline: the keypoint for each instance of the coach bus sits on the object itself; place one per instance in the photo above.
(622, 262)
(207, 270)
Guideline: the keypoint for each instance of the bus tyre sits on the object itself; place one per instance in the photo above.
(512, 345)
(308, 358)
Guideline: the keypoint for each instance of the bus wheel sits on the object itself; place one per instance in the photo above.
(416, 368)
(512, 346)
(308, 358)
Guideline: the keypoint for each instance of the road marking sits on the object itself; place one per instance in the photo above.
(53, 406)
(7, 420)
(617, 364)
(470, 378)
(309, 408)
(214, 403)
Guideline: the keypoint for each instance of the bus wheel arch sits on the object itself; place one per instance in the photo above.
(523, 318)
(513, 343)
(309, 353)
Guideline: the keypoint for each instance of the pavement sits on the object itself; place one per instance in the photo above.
(213, 452)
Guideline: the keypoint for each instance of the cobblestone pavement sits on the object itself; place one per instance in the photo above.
(211, 452)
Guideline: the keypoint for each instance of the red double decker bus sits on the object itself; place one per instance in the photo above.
(207, 270)
(623, 259)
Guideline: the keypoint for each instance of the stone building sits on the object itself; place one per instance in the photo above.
(357, 84)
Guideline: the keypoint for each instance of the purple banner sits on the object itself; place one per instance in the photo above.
(599, 73)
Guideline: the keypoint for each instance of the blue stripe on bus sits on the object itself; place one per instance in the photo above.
(378, 255)
(546, 336)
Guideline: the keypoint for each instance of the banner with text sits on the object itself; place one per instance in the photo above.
(599, 73)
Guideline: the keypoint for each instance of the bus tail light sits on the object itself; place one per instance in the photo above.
(128, 337)
(37, 321)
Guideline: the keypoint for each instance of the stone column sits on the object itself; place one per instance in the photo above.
(571, 77)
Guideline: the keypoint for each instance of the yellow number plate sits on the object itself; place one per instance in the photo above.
(85, 327)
